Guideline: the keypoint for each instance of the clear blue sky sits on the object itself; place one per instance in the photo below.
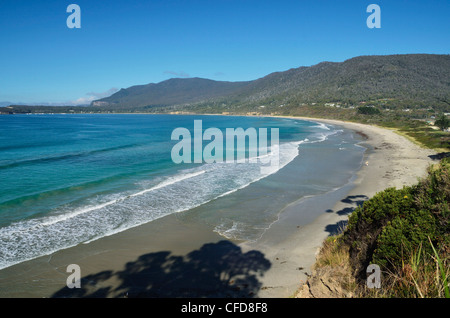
(125, 43)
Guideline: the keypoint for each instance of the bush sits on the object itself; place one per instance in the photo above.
(395, 222)
(367, 222)
(366, 110)
(402, 236)
(443, 122)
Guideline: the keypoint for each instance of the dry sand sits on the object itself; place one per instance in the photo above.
(173, 258)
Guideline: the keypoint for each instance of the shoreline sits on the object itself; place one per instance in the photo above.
(281, 262)
(390, 160)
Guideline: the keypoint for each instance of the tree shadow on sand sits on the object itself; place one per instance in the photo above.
(353, 201)
(439, 156)
(215, 270)
(337, 228)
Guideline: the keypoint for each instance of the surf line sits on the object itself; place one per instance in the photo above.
(258, 149)
(163, 184)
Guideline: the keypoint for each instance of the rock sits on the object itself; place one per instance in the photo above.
(325, 282)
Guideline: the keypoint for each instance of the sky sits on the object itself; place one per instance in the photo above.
(125, 43)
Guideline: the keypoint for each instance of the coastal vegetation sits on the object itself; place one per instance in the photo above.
(404, 231)
(442, 122)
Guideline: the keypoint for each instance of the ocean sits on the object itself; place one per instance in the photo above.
(68, 179)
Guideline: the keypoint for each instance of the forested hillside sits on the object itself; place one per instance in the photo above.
(391, 81)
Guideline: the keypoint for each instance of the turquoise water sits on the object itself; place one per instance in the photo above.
(69, 179)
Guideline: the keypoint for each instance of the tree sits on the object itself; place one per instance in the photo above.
(368, 110)
(442, 122)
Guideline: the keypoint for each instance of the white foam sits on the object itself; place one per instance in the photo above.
(188, 189)
(229, 232)
(168, 182)
(322, 126)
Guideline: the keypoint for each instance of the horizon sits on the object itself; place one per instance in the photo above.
(124, 44)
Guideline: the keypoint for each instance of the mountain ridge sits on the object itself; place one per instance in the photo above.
(420, 77)
(170, 92)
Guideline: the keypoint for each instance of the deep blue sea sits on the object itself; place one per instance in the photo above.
(67, 179)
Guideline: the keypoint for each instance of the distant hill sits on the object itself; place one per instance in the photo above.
(170, 92)
(360, 78)
(409, 79)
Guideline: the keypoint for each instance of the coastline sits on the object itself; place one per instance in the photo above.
(283, 261)
(390, 160)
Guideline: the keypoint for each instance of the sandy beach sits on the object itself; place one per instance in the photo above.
(390, 161)
(170, 257)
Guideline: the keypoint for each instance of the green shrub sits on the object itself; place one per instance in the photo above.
(367, 222)
(383, 205)
(367, 110)
(402, 236)
(395, 222)
(443, 122)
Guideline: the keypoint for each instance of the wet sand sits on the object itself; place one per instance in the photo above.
(170, 257)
